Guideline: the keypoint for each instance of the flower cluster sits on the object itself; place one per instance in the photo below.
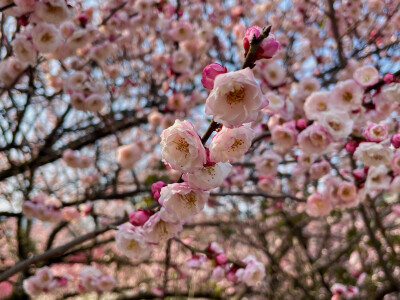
(43, 282)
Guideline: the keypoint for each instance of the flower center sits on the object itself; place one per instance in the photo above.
(182, 146)
(321, 106)
(131, 245)
(347, 96)
(235, 96)
(189, 199)
(236, 144)
(334, 125)
(46, 38)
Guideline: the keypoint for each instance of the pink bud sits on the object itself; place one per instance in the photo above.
(83, 19)
(389, 78)
(395, 140)
(210, 72)
(268, 48)
(351, 146)
(301, 124)
(139, 217)
(156, 189)
(359, 174)
(221, 259)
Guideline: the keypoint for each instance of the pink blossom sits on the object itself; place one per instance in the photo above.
(235, 99)
(373, 154)
(377, 179)
(284, 136)
(337, 123)
(307, 86)
(366, 76)
(209, 177)
(210, 72)
(182, 148)
(131, 242)
(230, 144)
(319, 169)
(181, 61)
(267, 163)
(318, 205)
(347, 94)
(181, 31)
(376, 132)
(181, 201)
(274, 74)
(46, 37)
(177, 102)
(317, 103)
(268, 47)
(159, 228)
(347, 193)
(314, 140)
(128, 155)
(253, 273)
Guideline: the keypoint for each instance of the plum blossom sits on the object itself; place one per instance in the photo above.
(159, 227)
(253, 273)
(373, 154)
(235, 99)
(318, 205)
(377, 179)
(181, 201)
(317, 103)
(314, 140)
(46, 37)
(130, 242)
(181, 61)
(366, 76)
(52, 11)
(267, 163)
(376, 132)
(181, 31)
(231, 144)
(182, 148)
(347, 194)
(337, 124)
(91, 279)
(209, 177)
(42, 282)
(347, 94)
(274, 74)
(24, 49)
(284, 136)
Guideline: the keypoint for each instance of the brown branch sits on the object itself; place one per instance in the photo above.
(335, 29)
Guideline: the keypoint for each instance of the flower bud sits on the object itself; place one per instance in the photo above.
(389, 78)
(210, 72)
(268, 47)
(221, 259)
(156, 189)
(351, 146)
(395, 140)
(139, 217)
(301, 124)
